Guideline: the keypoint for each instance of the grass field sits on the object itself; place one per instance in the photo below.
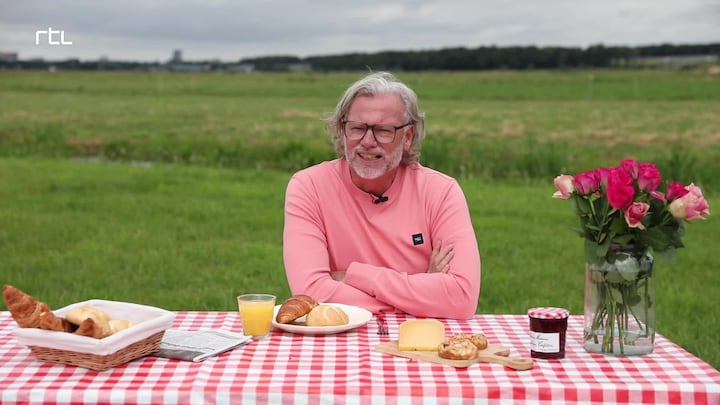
(189, 211)
(495, 124)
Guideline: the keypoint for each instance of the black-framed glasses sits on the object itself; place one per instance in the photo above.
(383, 133)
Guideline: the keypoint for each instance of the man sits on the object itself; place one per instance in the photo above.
(374, 228)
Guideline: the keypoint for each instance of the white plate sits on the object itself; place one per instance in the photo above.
(358, 317)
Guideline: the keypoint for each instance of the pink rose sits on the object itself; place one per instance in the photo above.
(586, 182)
(658, 195)
(620, 191)
(602, 174)
(648, 177)
(635, 213)
(692, 206)
(675, 190)
(564, 184)
(630, 167)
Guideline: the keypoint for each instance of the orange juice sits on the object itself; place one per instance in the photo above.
(256, 312)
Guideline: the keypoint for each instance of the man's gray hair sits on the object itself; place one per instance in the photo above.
(376, 84)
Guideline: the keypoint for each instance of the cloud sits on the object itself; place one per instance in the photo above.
(231, 30)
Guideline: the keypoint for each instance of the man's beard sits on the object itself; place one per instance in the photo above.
(361, 167)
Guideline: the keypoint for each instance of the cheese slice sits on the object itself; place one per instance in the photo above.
(421, 334)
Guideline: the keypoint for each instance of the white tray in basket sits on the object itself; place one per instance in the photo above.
(147, 322)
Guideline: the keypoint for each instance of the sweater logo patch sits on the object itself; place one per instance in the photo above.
(417, 239)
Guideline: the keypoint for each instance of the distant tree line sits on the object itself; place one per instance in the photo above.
(460, 58)
(487, 57)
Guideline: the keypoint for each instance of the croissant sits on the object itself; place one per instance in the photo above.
(295, 307)
(49, 321)
(89, 327)
(27, 311)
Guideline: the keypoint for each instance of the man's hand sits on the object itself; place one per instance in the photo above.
(440, 258)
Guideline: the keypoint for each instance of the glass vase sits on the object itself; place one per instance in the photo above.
(619, 314)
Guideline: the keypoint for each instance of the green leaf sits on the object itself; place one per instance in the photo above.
(590, 252)
(595, 252)
(616, 295)
(623, 239)
(628, 268)
(660, 238)
(614, 278)
(678, 231)
(578, 231)
(582, 205)
(633, 298)
(618, 225)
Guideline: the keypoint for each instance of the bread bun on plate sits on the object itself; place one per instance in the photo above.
(326, 315)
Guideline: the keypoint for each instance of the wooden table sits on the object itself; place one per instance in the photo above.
(344, 368)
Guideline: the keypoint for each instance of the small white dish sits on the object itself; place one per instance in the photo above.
(358, 317)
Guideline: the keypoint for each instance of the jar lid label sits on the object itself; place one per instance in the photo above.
(548, 313)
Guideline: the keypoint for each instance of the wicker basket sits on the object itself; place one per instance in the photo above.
(141, 339)
(141, 348)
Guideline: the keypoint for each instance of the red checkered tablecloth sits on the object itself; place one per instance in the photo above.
(344, 368)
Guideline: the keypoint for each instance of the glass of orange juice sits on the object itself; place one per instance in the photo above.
(256, 313)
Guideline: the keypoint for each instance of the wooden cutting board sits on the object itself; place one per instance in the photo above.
(491, 354)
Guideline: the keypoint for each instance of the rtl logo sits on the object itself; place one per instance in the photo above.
(50, 35)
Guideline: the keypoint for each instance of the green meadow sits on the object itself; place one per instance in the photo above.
(167, 189)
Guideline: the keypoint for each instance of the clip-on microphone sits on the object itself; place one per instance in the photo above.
(381, 199)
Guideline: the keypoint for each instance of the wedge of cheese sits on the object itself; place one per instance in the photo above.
(421, 334)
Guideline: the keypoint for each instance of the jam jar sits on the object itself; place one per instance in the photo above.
(548, 326)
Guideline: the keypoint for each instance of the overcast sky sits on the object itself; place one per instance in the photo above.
(229, 30)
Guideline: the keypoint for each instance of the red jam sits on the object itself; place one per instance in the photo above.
(548, 327)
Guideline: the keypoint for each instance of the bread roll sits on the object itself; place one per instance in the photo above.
(295, 307)
(457, 349)
(478, 339)
(116, 325)
(92, 328)
(326, 315)
(79, 314)
(462, 347)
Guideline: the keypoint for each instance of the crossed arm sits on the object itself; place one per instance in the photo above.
(445, 285)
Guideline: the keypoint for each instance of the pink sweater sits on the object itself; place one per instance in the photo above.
(385, 248)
